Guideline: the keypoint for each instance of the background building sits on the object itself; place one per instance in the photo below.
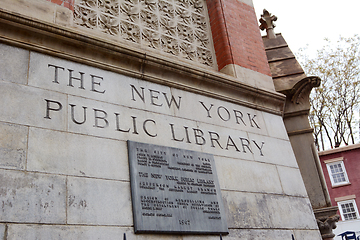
(341, 168)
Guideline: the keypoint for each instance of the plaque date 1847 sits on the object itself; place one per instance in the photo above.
(174, 191)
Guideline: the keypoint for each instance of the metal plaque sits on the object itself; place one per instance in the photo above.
(174, 191)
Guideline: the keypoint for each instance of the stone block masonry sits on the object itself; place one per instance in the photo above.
(71, 98)
(64, 162)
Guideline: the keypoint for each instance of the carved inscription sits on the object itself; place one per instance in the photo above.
(126, 122)
(174, 190)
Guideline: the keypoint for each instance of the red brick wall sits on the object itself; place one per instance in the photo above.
(236, 35)
(352, 166)
(66, 3)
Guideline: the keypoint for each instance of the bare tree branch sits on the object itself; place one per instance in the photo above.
(335, 102)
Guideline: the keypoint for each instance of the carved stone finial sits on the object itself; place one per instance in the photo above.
(267, 22)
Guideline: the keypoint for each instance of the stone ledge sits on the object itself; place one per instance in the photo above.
(72, 44)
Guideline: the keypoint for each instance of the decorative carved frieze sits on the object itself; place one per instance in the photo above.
(176, 27)
(267, 22)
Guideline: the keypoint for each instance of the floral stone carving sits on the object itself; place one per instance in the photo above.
(176, 27)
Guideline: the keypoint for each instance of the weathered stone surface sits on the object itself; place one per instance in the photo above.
(85, 199)
(252, 142)
(196, 237)
(276, 151)
(249, 210)
(157, 236)
(37, 9)
(291, 212)
(255, 234)
(249, 76)
(277, 54)
(307, 234)
(27, 105)
(124, 123)
(261, 80)
(46, 232)
(241, 175)
(299, 124)
(98, 202)
(217, 112)
(231, 143)
(54, 74)
(287, 67)
(32, 197)
(270, 43)
(275, 126)
(14, 64)
(291, 181)
(309, 169)
(2, 231)
(118, 122)
(79, 155)
(246, 210)
(63, 16)
(13, 146)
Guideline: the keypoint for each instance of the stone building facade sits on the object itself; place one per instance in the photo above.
(81, 78)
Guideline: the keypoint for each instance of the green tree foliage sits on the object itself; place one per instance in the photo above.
(335, 103)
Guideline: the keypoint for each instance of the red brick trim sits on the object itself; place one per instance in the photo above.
(65, 3)
(236, 35)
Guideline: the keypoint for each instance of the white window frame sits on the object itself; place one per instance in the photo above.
(341, 210)
(330, 163)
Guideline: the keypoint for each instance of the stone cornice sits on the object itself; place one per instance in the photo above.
(79, 46)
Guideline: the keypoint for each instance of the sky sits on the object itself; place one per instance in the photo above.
(310, 21)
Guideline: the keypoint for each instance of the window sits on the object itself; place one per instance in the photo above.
(337, 173)
(348, 210)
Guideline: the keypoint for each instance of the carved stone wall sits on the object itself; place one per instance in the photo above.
(177, 27)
